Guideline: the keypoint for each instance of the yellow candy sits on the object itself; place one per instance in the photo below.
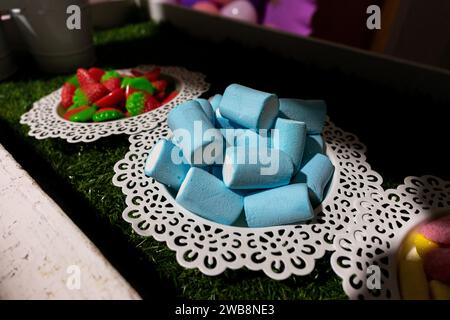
(423, 245)
(439, 290)
(408, 244)
(413, 282)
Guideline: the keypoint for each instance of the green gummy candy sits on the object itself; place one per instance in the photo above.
(107, 115)
(84, 115)
(109, 75)
(139, 84)
(74, 80)
(135, 103)
(79, 98)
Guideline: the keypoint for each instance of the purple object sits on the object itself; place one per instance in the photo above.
(240, 10)
(189, 3)
(291, 15)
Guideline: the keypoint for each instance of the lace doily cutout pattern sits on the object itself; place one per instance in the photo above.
(382, 222)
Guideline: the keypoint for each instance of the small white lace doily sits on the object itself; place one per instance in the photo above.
(45, 122)
(278, 251)
(383, 221)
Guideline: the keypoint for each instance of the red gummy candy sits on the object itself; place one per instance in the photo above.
(169, 98)
(161, 96)
(96, 73)
(437, 230)
(153, 75)
(437, 264)
(67, 93)
(151, 103)
(94, 91)
(129, 91)
(114, 99)
(160, 85)
(112, 84)
(84, 78)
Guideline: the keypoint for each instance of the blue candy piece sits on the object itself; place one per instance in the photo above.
(316, 174)
(289, 136)
(250, 139)
(207, 196)
(278, 206)
(201, 142)
(312, 112)
(215, 101)
(256, 168)
(248, 107)
(164, 164)
(229, 135)
(207, 109)
(225, 123)
(245, 138)
(217, 172)
(313, 145)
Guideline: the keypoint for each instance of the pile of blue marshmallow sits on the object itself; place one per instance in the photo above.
(287, 176)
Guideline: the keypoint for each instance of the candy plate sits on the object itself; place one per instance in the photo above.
(212, 248)
(371, 246)
(45, 120)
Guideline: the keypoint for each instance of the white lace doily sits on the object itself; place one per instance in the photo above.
(45, 122)
(278, 251)
(383, 220)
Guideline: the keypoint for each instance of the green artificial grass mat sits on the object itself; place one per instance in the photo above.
(88, 170)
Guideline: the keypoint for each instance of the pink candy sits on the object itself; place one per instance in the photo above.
(437, 230)
(437, 264)
(206, 6)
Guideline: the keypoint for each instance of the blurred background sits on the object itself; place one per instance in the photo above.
(414, 30)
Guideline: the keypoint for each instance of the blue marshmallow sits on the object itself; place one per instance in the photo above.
(215, 101)
(278, 206)
(256, 168)
(217, 172)
(250, 139)
(316, 174)
(312, 112)
(165, 164)
(223, 122)
(313, 145)
(207, 109)
(248, 107)
(319, 140)
(201, 142)
(207, 196)
(290, 137)
(229, 136)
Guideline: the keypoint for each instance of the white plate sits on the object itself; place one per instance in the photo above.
(45, 120)
(212, 248)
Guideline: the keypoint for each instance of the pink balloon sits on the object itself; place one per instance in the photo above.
(240, 10)
(206, 6)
